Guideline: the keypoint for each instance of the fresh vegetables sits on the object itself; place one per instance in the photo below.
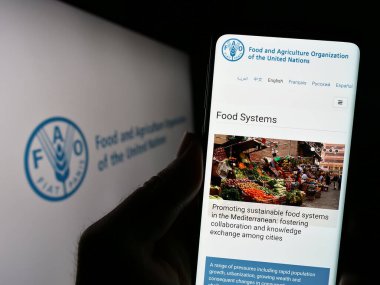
(294, 197)
(231, 194)
(242, 165)
(264, 178)
(247, 184)
(272, 182)
(239, 173)
(264, 194)
(258, 195)
(234, 182)
(252, 174)
(248, 181)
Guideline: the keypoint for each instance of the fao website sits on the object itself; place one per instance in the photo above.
(277, 158)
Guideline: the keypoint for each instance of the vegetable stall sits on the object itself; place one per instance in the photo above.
(270, 180)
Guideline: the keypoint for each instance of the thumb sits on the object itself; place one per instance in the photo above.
(151, 210)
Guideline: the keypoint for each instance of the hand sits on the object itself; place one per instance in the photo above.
(152, 236)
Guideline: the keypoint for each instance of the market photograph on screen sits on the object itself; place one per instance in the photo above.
(277, 171)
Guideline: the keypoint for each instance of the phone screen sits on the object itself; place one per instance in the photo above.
(279, 133)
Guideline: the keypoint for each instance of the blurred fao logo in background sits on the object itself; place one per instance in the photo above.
(233, 49)
(56, 159)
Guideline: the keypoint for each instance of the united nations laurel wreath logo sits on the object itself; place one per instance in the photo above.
(56, 159)
(233, 49)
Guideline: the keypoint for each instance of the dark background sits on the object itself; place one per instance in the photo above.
(188, 25)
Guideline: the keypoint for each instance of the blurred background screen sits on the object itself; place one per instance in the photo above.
(89, 111)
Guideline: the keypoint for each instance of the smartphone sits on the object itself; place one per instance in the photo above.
(279, 124)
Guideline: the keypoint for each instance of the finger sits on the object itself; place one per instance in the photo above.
(150, 211)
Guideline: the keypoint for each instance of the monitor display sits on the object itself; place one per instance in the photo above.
(89, 111)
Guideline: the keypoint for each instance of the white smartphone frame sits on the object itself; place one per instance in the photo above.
(326, 61)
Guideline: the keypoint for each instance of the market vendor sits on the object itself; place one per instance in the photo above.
(273, 162)
(298, 175)
(320, 178)
(304, 177)
(265, 162)
(215, 177)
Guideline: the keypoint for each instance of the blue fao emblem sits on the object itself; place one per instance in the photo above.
(233, 49)
(56, 159)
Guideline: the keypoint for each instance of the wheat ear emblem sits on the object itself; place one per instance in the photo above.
(59, 154)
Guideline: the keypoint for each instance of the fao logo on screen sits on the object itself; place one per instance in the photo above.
(233, 49)
(56, 159)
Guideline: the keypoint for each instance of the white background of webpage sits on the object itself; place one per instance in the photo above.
(304, 113)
